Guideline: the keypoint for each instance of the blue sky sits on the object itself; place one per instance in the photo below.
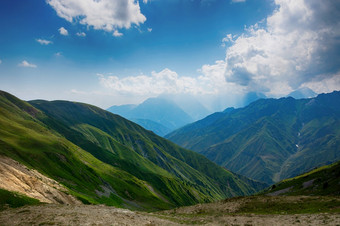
(124, 51)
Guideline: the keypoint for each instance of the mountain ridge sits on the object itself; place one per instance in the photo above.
(266, 133)
(103, 158)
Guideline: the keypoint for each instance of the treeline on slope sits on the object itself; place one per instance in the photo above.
(270, 139)
(103, 158)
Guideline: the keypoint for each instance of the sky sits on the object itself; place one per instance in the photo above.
(113, 52)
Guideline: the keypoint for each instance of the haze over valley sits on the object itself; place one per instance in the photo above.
(170, 112)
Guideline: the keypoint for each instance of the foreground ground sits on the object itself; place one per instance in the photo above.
(258, 210)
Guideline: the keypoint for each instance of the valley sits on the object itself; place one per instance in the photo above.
(102, 158)
(72, 163)
(170, 112)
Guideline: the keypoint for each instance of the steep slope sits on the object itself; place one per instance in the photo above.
(121, 143)
(270, 139)
(158, 110)
(24, 138)
(103, 158)
(18, 178)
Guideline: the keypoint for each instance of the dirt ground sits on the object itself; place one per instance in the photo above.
(55, 214)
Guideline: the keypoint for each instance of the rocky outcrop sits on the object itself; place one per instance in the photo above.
(18, 178)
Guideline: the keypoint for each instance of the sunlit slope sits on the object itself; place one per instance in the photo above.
(24, 138)
(126, 145)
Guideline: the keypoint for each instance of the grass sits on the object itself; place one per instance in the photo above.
(85, 148)
(324, 180)
(14, 200)
(288, 205)
(254, 206)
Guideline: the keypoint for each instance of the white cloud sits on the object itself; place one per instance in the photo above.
(105, 15)
(117, 34)
(24, 63)
(149, 29)
(167, 81)
(297, 43)
(326, 83)
(63, 31)
(81, 34)
(44, 42)
(296, 46)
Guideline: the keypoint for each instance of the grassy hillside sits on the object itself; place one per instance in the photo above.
(270, 139)
(324, 180)
(14, 200)
(29, 141)
(143, 152)
(103, 158)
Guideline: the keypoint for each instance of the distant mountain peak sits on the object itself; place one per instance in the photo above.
(302, 93)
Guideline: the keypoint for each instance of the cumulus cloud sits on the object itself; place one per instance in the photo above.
(63, 31)
(81, 34)
(44, 42)
(117, 34)
(295, 46)
(24, 63)
(210, 87)
(168, 81)
(105, 15)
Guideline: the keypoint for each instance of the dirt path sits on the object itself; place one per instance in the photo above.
(54, 214)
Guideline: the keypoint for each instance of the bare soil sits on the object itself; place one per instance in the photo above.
(56, 214)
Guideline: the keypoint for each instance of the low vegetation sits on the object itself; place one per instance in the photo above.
(324, 180)
(103, 158)
(13, 200)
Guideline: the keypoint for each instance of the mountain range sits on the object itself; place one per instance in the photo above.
(270, 139)
(163, 114)
(101, 157)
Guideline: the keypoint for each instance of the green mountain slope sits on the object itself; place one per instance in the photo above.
(104, 158)
(27, 140)
(270, 139)
(144, 153)
(324, 180)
